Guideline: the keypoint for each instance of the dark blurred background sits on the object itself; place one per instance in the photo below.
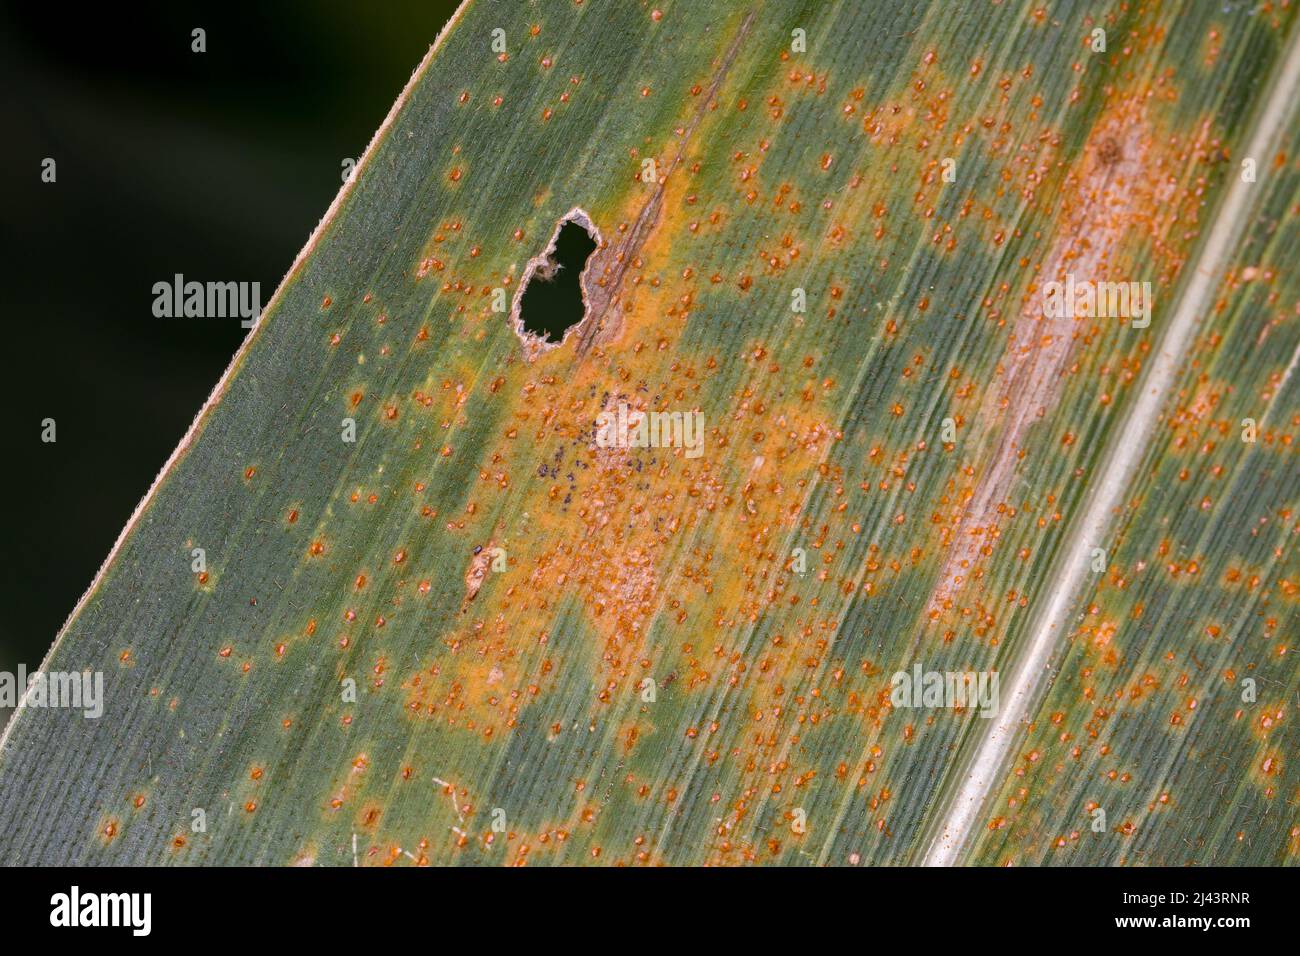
(216, 165)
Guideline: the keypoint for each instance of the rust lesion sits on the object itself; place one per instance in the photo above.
(609, 264)
(477, 571)
(1110, 152)
(1108, 199)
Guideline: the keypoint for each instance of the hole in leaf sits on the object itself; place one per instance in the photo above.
(551, 303)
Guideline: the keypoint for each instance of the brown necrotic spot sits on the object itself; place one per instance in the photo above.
(1109, 152)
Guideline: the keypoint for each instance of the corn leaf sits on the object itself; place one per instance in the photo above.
(395, 601)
